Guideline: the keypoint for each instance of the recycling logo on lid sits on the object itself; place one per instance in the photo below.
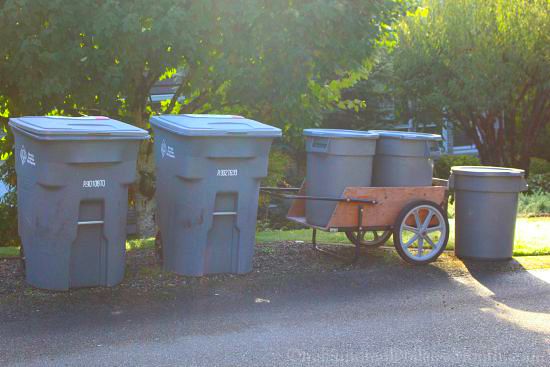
(23, 155)
(163, 148)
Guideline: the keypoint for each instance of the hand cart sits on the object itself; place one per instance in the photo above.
(369, 216)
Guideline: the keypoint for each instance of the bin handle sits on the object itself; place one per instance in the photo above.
(90, 222)
(451, 184)
(451, 188)
(524, 186)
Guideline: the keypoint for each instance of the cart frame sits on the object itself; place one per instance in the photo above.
(366, 209)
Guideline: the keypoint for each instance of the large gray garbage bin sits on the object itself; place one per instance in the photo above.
(404, 158)
(208, 174)
(72, 188)
(336, 159)
(486, 201)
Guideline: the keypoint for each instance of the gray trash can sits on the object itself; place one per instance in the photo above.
(72, 188)
(336, 159)
(404, 158)
(486, 202)
(208, 176)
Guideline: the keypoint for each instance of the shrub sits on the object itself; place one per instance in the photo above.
(539, 166)
(279, 163)
(442, 166)
(8, 201)
(535, 204)
(8, 220)
(539, 183)
(539, 176)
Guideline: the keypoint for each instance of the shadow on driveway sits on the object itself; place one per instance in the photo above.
(297, 307)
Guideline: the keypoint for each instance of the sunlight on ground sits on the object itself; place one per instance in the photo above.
(139, 243)
(532, 236)
(538, 322)
(541, 275)
(530, 231)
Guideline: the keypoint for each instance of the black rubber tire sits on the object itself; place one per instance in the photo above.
(396, 234)
(352, 237)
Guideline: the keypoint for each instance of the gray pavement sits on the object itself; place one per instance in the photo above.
(379, 315)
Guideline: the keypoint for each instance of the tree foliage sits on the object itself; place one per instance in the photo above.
(282, 62)
(484, 64)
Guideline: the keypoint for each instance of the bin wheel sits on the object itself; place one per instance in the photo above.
(421, 232)
(368, 238)
(158, 247)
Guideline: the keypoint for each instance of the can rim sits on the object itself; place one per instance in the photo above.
(340, 133)
(407, 135)
(487, 171)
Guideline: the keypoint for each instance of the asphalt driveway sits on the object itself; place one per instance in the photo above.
(378, 312)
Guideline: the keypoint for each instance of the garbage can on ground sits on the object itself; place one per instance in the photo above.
(72, 188)
(208, 178)
(486, 202)
(404, 158)
(336, 159)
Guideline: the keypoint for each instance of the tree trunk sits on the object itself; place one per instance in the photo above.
(481, 129)
(535, 117)
(144, 192)
(145, 203)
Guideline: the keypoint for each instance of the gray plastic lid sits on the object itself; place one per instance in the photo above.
(407, 135)
(337, 133)
(87, 126)
(214, 125)
(487, 171)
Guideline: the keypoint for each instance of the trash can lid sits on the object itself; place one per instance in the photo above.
(487, 171)
(86, 126)
(214, 125)
(337, 133)
(407, 135)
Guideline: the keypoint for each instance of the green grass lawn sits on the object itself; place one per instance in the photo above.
(130, 245)
(532, 238)
(9, 251)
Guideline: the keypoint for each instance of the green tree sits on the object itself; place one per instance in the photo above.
(485, 65)
(282, 62)
(39, 69)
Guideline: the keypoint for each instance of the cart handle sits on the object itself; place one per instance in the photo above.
(268, 188)
(320, 198)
